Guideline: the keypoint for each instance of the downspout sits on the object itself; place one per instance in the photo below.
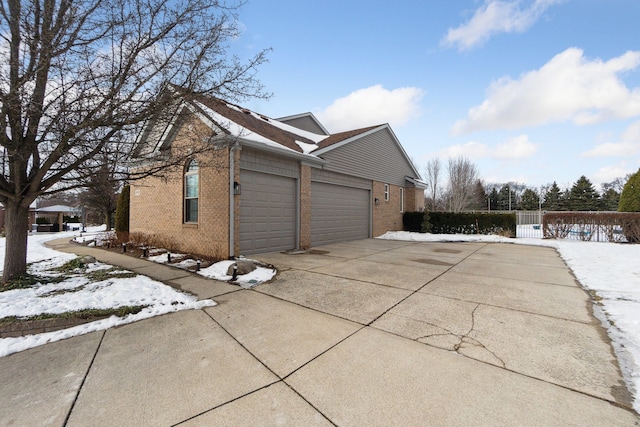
(298, 219)
(232, 201)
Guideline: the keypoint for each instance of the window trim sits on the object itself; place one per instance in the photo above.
(189, 173)
(401, 199)
(386, 192)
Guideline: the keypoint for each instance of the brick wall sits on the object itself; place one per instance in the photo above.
(386, 214)
(305, 207)
(413, 199)
(157, 204)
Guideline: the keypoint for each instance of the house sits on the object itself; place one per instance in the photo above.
(270, 184)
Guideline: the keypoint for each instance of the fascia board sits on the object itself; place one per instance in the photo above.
(204, 118)
(417, 182)
(404, 153)
(362, 135)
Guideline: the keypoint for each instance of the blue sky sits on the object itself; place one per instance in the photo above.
(531, 91)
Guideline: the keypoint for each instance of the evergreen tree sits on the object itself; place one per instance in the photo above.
(122, 212)
(630, 202)
(507, 198)
(530, 200)
(479, 198)
(610, 200)
(553, 200)
(493, 198)
(583, 196)
(630, 197)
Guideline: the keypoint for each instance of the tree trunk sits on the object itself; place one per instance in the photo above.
(16, 229)
(107, 219)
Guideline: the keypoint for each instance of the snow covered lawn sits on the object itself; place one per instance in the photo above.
(611, 270)
(78, 291)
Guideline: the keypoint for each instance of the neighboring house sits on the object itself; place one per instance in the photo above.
(271, 184)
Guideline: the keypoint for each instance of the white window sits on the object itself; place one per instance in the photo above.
(191, 185)
(401, 199)
(386, 192)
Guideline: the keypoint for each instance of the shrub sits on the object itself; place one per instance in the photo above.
(426, 225)
(587, 225)
(412, 221)
(122, 214)
(630, 202)
(503, 224)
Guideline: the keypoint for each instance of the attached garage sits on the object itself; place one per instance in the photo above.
(267, 212)
(339, 213)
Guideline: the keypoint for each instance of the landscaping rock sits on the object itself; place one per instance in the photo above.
(87, 259)
(244, 267)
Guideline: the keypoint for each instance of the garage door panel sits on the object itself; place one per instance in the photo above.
(267, 212)
(338, 213)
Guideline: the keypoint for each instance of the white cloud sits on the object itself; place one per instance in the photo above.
(515, 148)
(496, 17)
(471, 150)
(609, 173)
(372, 106)
(628, 145)
(567, 88)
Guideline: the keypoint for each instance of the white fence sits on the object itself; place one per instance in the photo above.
(529, 225)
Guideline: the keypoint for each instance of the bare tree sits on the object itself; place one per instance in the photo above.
(432, 175)
(79, 78)
(101, 190)
(463, 176)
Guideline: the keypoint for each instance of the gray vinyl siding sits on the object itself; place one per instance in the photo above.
(261, 161)
(321, 175)
(375, 156)
(305, 123)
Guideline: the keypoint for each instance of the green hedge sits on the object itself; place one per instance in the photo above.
(462, 223)
(412, 221)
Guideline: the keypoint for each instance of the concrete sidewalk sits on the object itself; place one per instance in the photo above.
(370, 332)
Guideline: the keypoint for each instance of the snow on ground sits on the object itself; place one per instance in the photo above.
(218, 270)
(611, 270)
(79, 293)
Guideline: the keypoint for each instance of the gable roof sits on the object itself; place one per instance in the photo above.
(305, 121)
(261, 131)
(221, 113)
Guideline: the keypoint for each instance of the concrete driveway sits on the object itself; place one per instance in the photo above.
(371, 332)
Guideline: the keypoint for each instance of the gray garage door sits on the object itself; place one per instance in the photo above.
(267, 212)
(338, 213)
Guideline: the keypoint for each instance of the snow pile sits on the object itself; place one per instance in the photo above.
(611, 270)
(219, 270)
